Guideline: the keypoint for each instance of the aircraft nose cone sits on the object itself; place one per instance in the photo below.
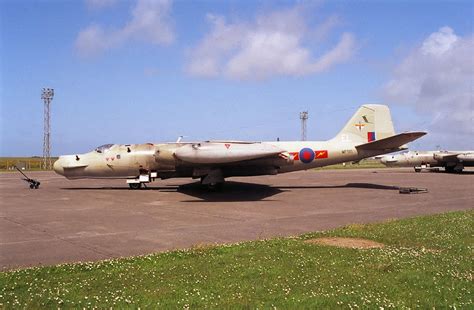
(58, 168)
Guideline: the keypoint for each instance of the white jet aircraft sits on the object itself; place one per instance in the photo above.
(368, 133)
(451, 161)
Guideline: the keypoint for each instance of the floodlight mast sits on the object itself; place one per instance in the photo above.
(47, 95)
(304, 118)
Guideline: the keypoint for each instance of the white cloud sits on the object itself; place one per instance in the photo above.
(270, 45)
(150, 22)
(437, 78)
(439, 42)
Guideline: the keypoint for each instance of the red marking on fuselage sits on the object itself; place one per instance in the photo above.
(307, 155)
(321, 154)
(227, 145)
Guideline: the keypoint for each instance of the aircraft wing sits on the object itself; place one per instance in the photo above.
(454, 157)
(391, 143)
(224, 152)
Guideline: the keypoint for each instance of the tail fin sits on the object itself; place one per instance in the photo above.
(371, 122)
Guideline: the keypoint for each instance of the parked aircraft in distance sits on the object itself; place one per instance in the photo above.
(368, 133)
(451, 161)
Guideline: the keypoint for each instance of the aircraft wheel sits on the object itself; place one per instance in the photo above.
(135, 185)
(458, 170)
(32, 186)
(417, 169)
(449, 169)
(215, 187)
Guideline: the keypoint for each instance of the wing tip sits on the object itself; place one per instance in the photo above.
(420, 133)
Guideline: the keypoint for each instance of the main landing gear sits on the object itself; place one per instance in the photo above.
(213, 181)
(135, 185)
(213, 187)
(454, 169)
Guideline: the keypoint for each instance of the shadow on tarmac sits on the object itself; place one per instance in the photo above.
(236, 191)
(231, 191)
(348, 185)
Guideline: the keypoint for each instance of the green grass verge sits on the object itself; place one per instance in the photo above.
(427, 262)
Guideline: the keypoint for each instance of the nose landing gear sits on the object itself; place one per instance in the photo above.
(142, 179)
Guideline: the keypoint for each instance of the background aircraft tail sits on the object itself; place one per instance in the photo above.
(371, 122)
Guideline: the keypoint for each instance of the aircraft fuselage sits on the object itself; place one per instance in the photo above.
(121, 161)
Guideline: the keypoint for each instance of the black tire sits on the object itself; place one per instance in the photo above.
(32, 186)
(449, 169)
(417, 169)
(215, 187)
(135, 185)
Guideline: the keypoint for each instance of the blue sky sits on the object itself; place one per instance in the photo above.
(149, 71)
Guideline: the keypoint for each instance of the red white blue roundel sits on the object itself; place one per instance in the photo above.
(306, 155)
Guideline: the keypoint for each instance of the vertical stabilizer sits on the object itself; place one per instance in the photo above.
(371, 122)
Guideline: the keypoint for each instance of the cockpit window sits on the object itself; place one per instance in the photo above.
(103, 148)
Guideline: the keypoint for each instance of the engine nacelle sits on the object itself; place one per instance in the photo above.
(220, 153)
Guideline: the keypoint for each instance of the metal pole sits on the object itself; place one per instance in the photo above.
(303, 117)
(47, 95)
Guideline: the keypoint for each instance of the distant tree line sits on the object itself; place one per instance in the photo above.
(24, 163)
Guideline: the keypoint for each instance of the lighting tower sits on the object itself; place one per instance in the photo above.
(304, 118)
(47, 95)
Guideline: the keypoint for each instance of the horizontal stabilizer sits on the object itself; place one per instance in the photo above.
(391, 143)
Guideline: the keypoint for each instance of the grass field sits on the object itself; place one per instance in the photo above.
(426, 262)
(29, 163)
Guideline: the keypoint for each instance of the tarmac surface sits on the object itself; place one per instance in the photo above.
(88, 220)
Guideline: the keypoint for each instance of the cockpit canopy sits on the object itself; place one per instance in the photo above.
(103, 148)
